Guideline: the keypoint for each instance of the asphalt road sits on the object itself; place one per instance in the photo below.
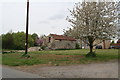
(12, 73)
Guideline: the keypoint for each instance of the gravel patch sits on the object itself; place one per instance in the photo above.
(94, 70)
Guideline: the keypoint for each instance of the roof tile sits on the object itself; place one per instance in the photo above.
(61, 37)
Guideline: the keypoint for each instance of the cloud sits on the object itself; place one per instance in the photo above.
(53, 27)
(57, 17)
(44, 22)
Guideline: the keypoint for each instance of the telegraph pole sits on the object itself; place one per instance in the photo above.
(27, 24)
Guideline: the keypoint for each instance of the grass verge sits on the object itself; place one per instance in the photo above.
(59, 57)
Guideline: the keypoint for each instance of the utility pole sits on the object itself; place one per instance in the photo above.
(27, 24)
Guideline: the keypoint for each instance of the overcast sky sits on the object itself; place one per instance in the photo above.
(44, 18)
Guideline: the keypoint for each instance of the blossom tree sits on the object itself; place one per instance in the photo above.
(93, 20)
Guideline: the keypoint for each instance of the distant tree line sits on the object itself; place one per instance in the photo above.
(16, 41)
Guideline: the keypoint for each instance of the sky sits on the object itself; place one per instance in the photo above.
(44, 17)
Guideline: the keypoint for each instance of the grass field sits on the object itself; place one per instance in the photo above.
(59, 57)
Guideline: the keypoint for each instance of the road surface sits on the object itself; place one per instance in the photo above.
(94, 70)
(12, 73)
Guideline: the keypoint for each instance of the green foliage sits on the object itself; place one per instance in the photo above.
(0, 42)
(7, 41)
(113, 42)
(34, 36)
(91, 54)
(16, 41)
(77, 46)
(19, 40)
(43, 47)
(30, 41)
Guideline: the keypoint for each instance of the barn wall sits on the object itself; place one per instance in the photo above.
(60, 44)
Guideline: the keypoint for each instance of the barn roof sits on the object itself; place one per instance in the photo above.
(61, 37)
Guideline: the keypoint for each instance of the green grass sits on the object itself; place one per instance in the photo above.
(59, 57)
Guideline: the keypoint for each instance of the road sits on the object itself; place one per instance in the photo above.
(94, 70)
(12, 73)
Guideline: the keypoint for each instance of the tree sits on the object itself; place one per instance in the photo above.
(39, 40)
(16, 41)
(7, 41)
(118, 11)
(19, 40)
(34, 36)
(0, 42)
(93, 20)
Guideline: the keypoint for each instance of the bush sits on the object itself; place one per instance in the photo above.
(43, 47)
(91, 54)
(77, 46)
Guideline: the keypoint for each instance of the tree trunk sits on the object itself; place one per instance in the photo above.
(91, 48)
(104, 44)
(91, 53)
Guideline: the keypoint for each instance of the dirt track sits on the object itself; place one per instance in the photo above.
(94, 70)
